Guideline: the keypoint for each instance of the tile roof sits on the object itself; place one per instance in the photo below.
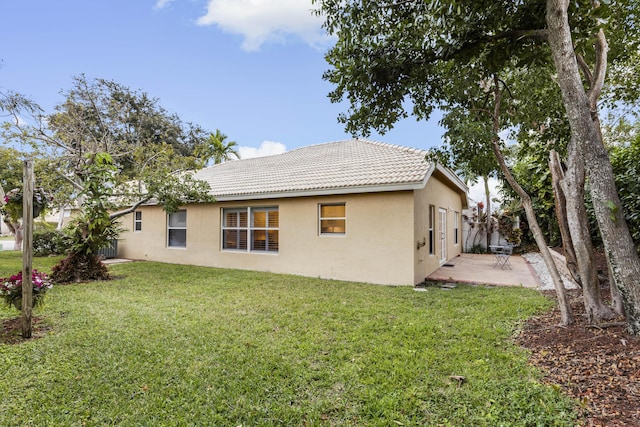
(354, 165)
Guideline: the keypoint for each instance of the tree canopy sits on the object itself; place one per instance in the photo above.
(151, 149)
(216, 147)
(108, 149)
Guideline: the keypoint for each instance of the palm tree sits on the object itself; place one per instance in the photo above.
(217, 149)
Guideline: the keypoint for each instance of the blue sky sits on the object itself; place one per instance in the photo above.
(251, 68)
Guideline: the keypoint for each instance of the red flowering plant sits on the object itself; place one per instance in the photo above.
(11, 288)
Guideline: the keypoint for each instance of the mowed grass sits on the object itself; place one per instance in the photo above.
(171, 345)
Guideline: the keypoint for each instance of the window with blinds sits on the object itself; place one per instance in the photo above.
(333, 218)
(235, 229)
(250, 229)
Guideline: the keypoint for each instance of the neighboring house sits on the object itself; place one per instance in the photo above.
(352, 210)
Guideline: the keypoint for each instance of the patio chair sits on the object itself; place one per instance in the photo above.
(502, 254)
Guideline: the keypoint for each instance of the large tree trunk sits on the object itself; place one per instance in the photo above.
(566, 316)
(557, 175)
(573, 186)
(582, 115)
(16, 229)
(487, 194)
(616, 299)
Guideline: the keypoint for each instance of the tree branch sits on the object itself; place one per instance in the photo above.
(75, 184)
(130, 209)
(584, 67)
(600, 70)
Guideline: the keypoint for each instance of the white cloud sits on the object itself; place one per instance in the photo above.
(261, 21)
(267, 148)
(476, 192)
(160, 4)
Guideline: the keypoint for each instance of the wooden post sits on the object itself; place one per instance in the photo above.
(27, 247)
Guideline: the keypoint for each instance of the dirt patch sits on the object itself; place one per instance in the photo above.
(11, 332)
(598, 366)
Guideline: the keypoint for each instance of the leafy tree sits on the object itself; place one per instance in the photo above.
(396, 58)
(215, 147)
(103, 127)
(92, 228)
(580, 98)
(147, 145)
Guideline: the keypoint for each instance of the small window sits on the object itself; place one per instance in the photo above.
(333, 219)
(137, 221)
(456, 219)
(177, 229)
(432, 220)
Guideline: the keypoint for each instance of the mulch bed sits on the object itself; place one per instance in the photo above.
(598, 366)
(11, 331)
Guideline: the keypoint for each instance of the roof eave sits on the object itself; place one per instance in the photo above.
(453, 178)
(324, 192)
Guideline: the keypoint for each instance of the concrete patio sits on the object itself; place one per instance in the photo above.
(479, 269)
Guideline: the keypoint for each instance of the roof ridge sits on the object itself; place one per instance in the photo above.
(403, 148)
(399, 147)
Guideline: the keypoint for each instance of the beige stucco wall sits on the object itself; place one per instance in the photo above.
(442, 196)
(378, 247)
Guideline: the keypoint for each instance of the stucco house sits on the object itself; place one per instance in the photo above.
(353, 210)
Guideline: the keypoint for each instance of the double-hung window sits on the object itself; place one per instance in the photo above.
(250, 229)
(333, 218)
(177, 229)
(235, 228)
(137, 221)
(264, 229)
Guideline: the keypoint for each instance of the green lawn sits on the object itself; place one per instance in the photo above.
(182, 345)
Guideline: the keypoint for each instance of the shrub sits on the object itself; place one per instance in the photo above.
(477, 249)
(78, 267)
(48, 242)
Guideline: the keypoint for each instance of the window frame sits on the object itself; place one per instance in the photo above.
(268, 229)
(432, 235)
(321, 218)
(239, 229)
(252, 230)
(456, 228)
(175, 227)
(137, 221)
